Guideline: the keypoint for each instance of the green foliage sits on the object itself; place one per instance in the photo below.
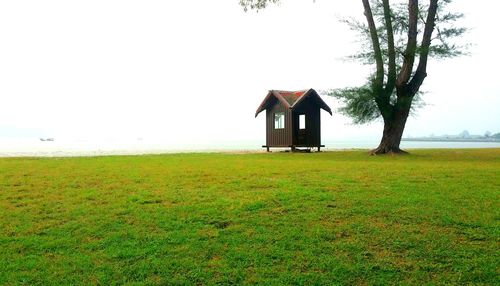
(251, 219)
(445, 42)
(256, 4)
(358, 103)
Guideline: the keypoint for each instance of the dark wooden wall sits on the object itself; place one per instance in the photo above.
(278, 137)
(312, 133)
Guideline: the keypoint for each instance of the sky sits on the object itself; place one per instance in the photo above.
(196, 70)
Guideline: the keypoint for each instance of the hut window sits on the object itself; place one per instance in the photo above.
(279, 120)
(302, 121)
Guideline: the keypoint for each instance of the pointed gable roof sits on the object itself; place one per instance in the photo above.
(291, 99)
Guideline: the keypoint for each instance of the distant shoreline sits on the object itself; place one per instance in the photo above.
(67, 148)
(451, 140)
(76, 154)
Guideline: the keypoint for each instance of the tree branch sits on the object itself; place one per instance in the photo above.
(381, 98)
(411, 45)
(379, 76)
(421, 72)
(391, 73)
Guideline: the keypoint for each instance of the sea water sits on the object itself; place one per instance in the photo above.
(14, 147)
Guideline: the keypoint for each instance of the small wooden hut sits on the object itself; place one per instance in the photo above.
(293, 119)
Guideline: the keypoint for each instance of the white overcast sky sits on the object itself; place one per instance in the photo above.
(194, 70)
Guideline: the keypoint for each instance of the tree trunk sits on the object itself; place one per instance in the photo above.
(393, 132)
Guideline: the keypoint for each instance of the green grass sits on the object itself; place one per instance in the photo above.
(314, 219)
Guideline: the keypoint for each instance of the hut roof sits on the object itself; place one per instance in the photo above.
(291, 99)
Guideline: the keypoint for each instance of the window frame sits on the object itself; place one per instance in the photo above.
(276, 125)
(302, 124)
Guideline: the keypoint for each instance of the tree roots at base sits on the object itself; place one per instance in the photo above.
(388, 151)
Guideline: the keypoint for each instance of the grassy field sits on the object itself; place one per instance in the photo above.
(316, 219)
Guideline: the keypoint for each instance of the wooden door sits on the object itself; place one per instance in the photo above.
(302, 130)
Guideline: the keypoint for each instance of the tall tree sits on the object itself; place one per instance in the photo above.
(399, 34)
